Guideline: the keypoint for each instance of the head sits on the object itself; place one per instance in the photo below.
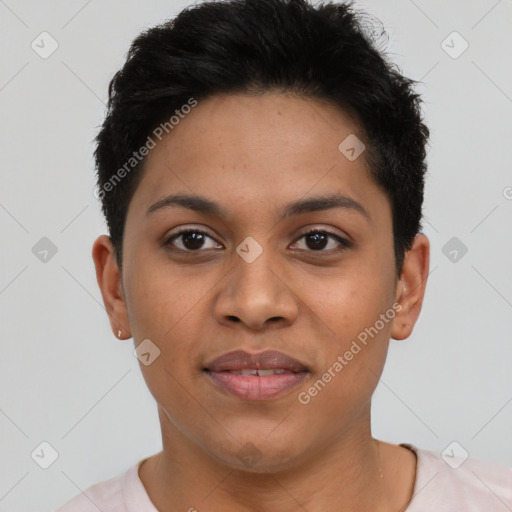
(264, 120)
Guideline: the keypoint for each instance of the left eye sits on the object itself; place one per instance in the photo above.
(316, 240)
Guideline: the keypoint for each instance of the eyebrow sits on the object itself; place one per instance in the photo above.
(312, 204)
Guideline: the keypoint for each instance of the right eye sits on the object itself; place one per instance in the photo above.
(191, 240)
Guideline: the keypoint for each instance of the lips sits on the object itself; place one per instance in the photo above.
(268, 360)
(260, 376)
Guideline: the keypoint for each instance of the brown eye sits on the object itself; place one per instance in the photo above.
(318, 240)
(191, 240)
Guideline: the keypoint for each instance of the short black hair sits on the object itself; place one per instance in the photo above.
(328, 51)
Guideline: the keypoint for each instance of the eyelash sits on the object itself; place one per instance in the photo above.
(345, 244)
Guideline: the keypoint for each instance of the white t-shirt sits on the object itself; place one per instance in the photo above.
(474, 486)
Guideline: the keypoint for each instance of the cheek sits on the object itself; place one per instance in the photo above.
(359, 316)
(345, 384)
(160, 298)
(349, 304)
(165, 311)
(173, 375)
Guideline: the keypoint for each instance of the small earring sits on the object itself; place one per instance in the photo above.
(119, 333)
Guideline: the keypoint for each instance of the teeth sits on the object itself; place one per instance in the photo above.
(248, 372)
(261, 373)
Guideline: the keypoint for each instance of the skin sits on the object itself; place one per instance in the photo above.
(253, 154)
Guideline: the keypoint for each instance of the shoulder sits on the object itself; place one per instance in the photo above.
(449, 482)
(107, 496)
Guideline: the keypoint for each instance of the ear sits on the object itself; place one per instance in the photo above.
(410, 289)
(109, 281)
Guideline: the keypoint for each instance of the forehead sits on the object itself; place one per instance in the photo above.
(258, 150)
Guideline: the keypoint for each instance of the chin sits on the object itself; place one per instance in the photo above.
(257, 453)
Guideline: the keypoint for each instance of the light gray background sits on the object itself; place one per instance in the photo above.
(64, 377)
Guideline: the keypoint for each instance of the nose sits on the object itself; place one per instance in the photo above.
(256, 295)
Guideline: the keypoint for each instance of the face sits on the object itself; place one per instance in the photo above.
(261, 266)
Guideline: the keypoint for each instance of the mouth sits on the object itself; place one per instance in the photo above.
(262, 376)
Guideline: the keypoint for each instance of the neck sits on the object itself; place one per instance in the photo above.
(346, 473)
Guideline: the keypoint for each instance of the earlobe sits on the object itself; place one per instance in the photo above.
(108, 277)
(411, 287)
